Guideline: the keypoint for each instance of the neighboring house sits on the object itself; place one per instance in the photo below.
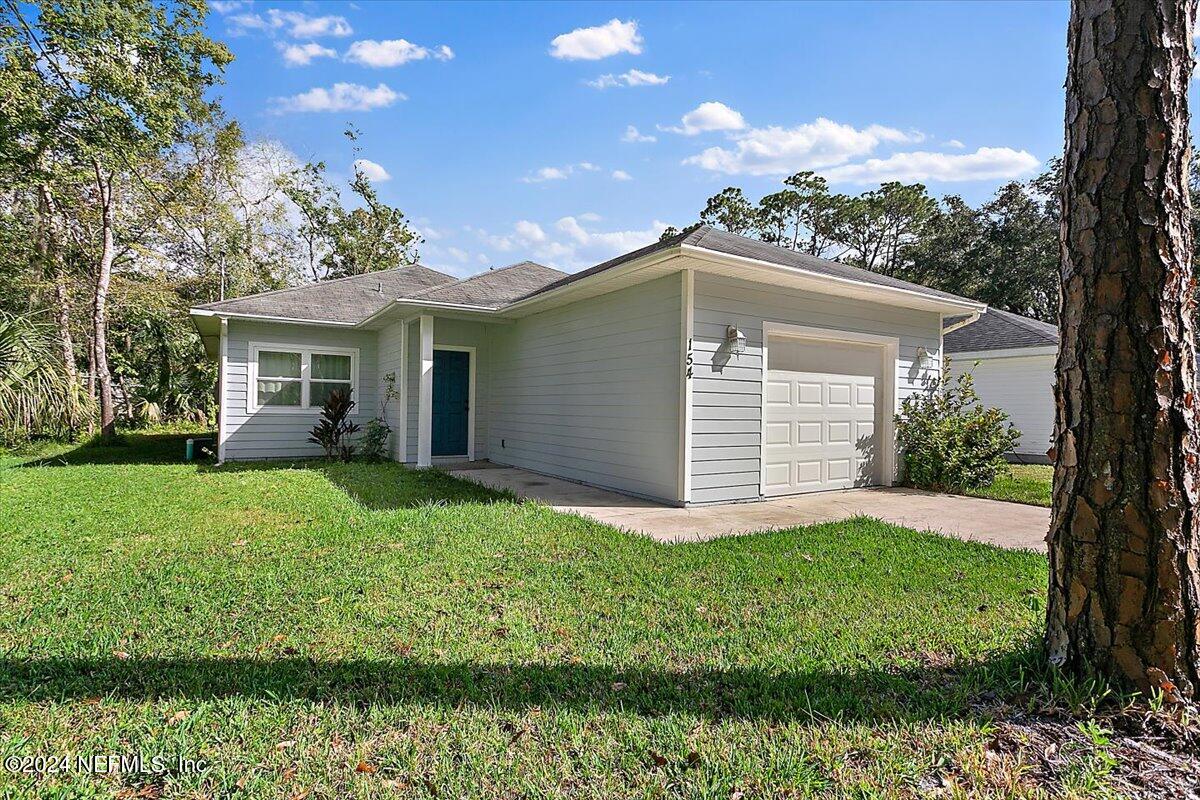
(1012, 358)
(704, 368)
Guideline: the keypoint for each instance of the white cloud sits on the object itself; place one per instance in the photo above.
(302, 26)
(709, 116)
(296, 24)
(547, 174)
(559, 173)
(300, 55)
(634, 77)
(339, 97)
(955, 143)
(781, 151)
(583, 247)
(986, 163)
(529, 231)
(621, 175)
(632, 134)
(570, 243)
(393, 52)
(459, 254)
(589, 216)
(225, 6)
(601, 41)
(372, 170)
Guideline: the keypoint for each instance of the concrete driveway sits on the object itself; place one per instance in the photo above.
(1010, 525)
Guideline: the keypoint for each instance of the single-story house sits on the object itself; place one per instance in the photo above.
(703, 368)
(1012, 359)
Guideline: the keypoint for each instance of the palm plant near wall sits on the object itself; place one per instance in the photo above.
(37, 395)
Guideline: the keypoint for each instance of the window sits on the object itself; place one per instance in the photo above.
(287, 379)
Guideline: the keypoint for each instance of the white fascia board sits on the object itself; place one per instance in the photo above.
(888, 295)
(414, 308)
(1008, 352)
(207, 312)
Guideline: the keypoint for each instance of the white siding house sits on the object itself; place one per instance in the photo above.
(705, 368)
(1012, 359)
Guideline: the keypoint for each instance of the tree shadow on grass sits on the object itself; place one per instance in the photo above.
(127, 448)
(378, 486)
(912, 694)
(382, 485)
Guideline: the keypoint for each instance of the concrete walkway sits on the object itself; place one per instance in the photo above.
(1010, 525)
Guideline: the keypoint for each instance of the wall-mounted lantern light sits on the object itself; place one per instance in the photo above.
(735, 339)
(923, 359)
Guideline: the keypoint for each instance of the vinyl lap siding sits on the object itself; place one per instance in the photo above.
(390, 361)
(1023, 386)
(726, 388)
(268, 435)
(590, 391)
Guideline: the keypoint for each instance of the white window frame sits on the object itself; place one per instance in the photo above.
(306, 353)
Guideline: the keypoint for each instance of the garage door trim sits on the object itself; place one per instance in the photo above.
(891, 348)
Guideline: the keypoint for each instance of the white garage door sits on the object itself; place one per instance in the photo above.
(822, 406)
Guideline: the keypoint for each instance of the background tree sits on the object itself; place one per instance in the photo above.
(117, 81)
(1124, 543)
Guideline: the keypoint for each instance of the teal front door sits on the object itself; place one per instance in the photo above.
(451, 401)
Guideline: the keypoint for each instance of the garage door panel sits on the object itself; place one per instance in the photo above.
(778, 474)
(808, 473)
(839, 394)
(779, 392)
(821, 427)
(808, 394)
(779, 433)
(808, 433)
(839, 469)
(839, 432)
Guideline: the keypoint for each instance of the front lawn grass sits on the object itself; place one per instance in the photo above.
(1022, 483)
(322, 630)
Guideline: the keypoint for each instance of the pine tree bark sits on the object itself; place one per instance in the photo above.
(1124, 581)
(108, 417)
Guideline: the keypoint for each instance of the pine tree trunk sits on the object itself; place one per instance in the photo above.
(1124, 580)
(108, 418)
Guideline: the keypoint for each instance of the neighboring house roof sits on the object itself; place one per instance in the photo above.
(708, 238)
(494, 288)
(346, 300)
(1000, 330)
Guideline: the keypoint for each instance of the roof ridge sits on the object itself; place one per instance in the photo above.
(469, 278)
(326, 282)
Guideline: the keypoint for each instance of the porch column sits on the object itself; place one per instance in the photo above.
(425, 401)
(401, 443)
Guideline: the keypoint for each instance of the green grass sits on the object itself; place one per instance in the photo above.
(1024, 483)
(369, 631)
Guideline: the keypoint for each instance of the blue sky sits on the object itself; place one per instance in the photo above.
(505, 129)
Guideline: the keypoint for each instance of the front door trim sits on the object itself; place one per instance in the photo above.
(470, 351)
(891, 347)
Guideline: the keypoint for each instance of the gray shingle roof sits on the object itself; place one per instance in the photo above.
(354, 299)
(494, 288)
(1000, 330)
(717, 241)
(348, 300)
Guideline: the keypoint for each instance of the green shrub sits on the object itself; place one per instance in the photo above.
(950, 440)
(334, 429)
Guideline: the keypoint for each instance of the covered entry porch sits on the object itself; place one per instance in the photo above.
(437, 368)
